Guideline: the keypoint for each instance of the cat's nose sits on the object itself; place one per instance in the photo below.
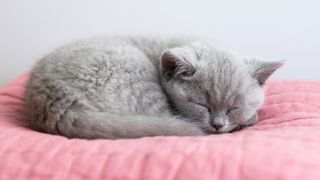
(216, 125)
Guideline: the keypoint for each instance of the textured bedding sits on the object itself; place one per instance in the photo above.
(284, 144)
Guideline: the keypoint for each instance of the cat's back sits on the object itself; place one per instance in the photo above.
(124, 49)
(97, 59)
(117, 74)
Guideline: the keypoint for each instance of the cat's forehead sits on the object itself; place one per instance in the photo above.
(224, 84)
(222, 76)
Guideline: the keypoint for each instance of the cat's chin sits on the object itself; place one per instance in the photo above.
(228, 129)
(251, 121)
(238, 128)
(209, 131)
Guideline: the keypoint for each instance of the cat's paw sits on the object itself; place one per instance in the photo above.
(192, 130)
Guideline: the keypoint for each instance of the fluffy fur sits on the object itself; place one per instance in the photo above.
(130, 87)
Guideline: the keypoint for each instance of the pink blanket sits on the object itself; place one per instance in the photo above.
(284, 144)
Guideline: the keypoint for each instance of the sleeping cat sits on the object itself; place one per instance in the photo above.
(131, 87)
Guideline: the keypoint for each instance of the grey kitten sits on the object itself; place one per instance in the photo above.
(130, 87)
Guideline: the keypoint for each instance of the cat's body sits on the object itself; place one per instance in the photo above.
(129, 87)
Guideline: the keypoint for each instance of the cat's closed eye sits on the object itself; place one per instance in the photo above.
(232, 109)
(204, 106)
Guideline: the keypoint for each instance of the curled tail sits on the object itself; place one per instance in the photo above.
(95, 125)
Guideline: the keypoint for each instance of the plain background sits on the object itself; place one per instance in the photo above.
(275, 29)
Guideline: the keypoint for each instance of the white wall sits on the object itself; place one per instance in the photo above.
(276, 29)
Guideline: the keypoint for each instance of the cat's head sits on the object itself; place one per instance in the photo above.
(214, 88)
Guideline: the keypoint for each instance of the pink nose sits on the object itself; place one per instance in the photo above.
(216, 125)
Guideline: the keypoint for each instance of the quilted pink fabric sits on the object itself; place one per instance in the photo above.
(285, 144)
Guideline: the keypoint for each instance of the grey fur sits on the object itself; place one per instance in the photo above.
(130, 87)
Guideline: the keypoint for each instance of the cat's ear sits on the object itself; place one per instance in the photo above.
(174, 66)
(261, 70)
